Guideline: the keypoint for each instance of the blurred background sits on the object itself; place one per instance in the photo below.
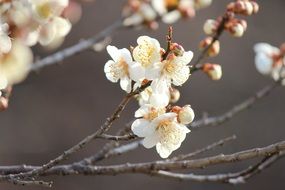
(55, 108)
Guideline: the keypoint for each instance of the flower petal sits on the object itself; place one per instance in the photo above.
(163, 151)
(137, 72)
(126, 84)
(140, 127)
(150, 141)
(114, 53)
(108, 71)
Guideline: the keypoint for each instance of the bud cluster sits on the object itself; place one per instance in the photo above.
(229, 22)
(147, 12)
(233, 25)
(159, 123)
(270, 61)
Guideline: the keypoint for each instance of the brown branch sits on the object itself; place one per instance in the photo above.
(197, 65)
(77, 48)
(231, 178)
(105, 127)
(149, 167)
(117, 138)
(203, 150)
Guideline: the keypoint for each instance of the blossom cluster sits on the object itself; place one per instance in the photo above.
(169, 11)
(159, 123)
(270, 61)
(24, 23)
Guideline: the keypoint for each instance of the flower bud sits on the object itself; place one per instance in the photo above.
(3, 103)
(214, 71)
(255, 7)
(214, 50)
(210, 26)
(177, 49)
(174, 95)
(199, 4)
(237, 30)
(248, 8)
(186, 115)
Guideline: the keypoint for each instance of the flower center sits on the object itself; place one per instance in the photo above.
(44, 10)
(154, 113)
(171, 4)
(120, 69)
(145, 52)
(169, 67)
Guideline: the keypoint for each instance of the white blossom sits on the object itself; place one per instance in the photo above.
(15, 65)
(123, 68)
(164, 132)
(175, 69)
(147, 53)
(263, 58)
(144, 13)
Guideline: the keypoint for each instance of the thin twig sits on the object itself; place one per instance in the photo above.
(197, 64)
(214, 121)
(105, 127)
(117, 138)
(77, 48)
(232, 178)
(203, 150)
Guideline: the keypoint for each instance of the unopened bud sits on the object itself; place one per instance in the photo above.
(199, 4)
(174, 95)
(177, 49)
(248, 8)
(210, 26)
(188, 12)
(237, 30)
(255, 7)
(214, 71)
(214, 50)
(3, 103)
(186, 115)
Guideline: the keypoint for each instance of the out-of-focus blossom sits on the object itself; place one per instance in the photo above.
(270, 60)
(15, 65)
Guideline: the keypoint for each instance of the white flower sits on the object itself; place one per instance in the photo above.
(5, 41)
(164, 132)
(160, 95)
(169, 10)
(175, 69)
(123, 68)
(144, 13)
(15, 65)
(51, 26)
(147, 53)
(263, 58)
(47, 9)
